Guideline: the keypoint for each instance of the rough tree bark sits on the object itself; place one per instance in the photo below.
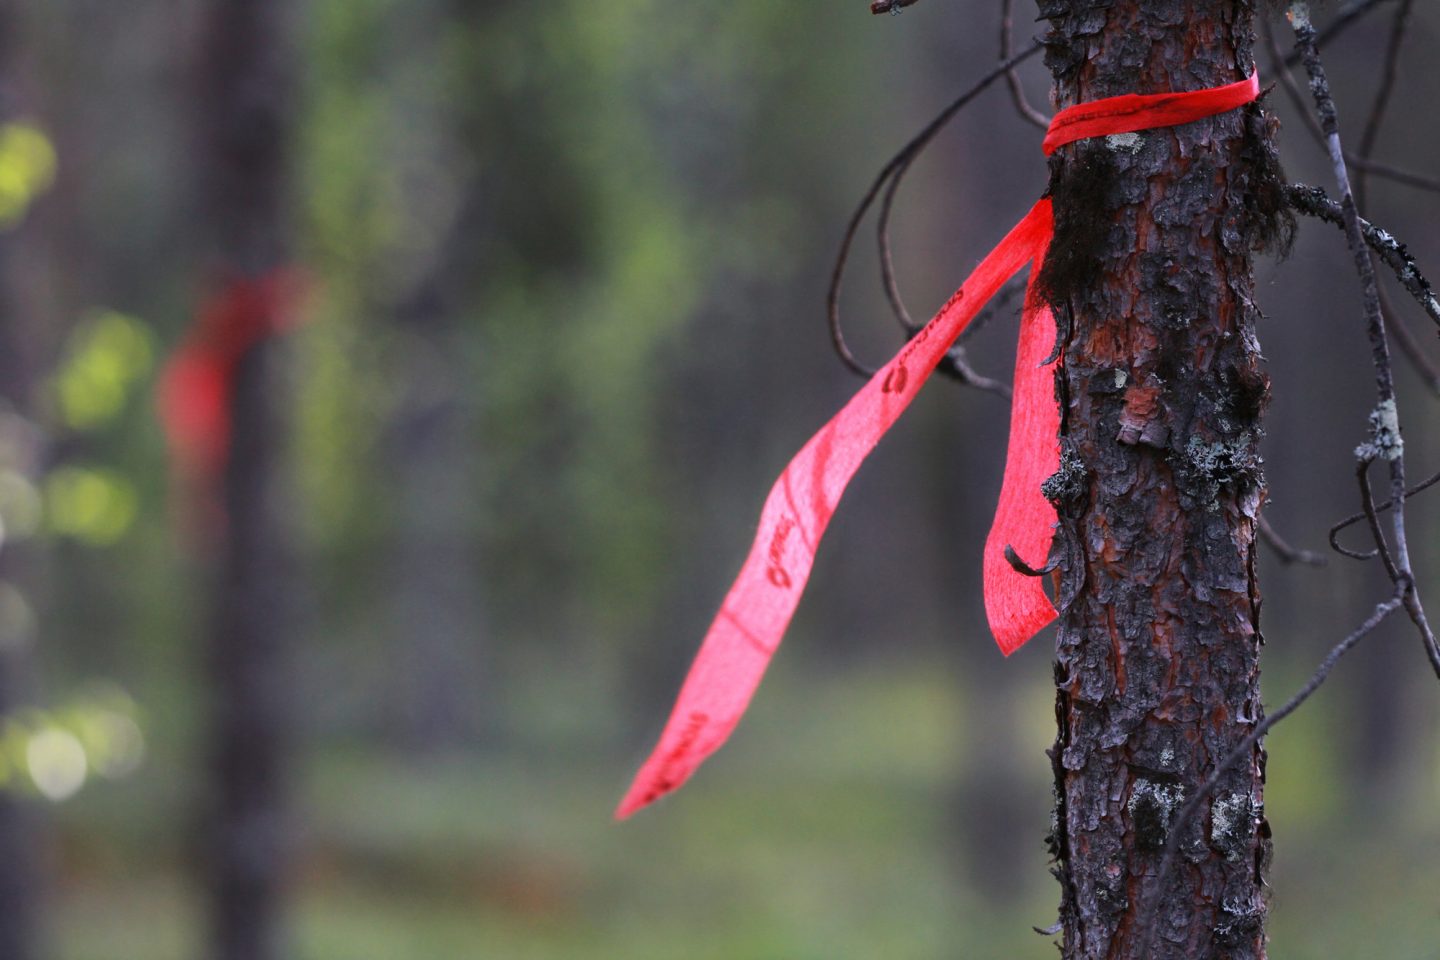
(1162, 392)
(247, 102)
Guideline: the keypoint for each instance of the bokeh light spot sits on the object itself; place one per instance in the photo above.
(57, 764)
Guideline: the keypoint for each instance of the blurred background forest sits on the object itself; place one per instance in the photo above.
(565, 266)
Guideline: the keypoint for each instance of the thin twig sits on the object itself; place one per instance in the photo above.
(1355, 518)
(903, 158)
(887, 260)
(1367, 502)
(1343, 21)
(1313, 202)
(1388, 71)
(955, 363)
(1284, 550)
(1012, 78)
(1002, 302)
(1387, 441)
(1180, 824)
(1414, 352)
(1363, 164)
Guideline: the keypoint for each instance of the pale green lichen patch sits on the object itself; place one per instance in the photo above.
(1128, 142)
(1385, 442)
(1204, 468)
(1231, 818)
(1152, 806)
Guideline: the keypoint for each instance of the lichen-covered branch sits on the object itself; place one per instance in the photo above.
(1361, 163)
(1386, 440)
(1313, 202)
(891, 6)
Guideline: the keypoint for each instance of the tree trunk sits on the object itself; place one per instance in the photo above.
(246, 114)
(436, 604)
(1162, 392)
(19, 445)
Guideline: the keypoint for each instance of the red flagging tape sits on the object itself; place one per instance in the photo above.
(1016, 605)
(193, 395)
(758, 608)
(753, 618)
(1133, 111)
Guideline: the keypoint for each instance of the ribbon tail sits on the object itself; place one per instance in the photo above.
(753, 618)
(1016, 604)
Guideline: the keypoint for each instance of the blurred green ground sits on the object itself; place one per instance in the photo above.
(818, 840)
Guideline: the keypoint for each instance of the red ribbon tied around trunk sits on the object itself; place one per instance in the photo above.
(195, 387)
(758, 608)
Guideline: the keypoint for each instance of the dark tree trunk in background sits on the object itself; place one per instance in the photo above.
(436, 618)
(19, 893)
(246, 113)
(1162, 392)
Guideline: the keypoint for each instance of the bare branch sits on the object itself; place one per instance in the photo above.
(955, 364)
(1388, 72)
(1367, 501)
(1411, 347)
(1361, 163)
(897, 163)
(1012, 78)
(1283, 550)
(1386, 441)
(1355, 518)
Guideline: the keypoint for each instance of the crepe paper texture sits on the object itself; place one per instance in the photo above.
(753, 618)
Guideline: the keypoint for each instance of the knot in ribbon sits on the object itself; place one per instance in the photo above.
(758, 608)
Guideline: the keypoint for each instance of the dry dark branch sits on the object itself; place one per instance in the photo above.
(1360, 162)
(955, 363)
(1410, 346)
(1283, 550)
(896, 163)
(1012, 78)
(1388, 72)
(1367, 501)
(1355, 518)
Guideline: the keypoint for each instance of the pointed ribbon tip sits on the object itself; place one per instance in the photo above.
(755, 613)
